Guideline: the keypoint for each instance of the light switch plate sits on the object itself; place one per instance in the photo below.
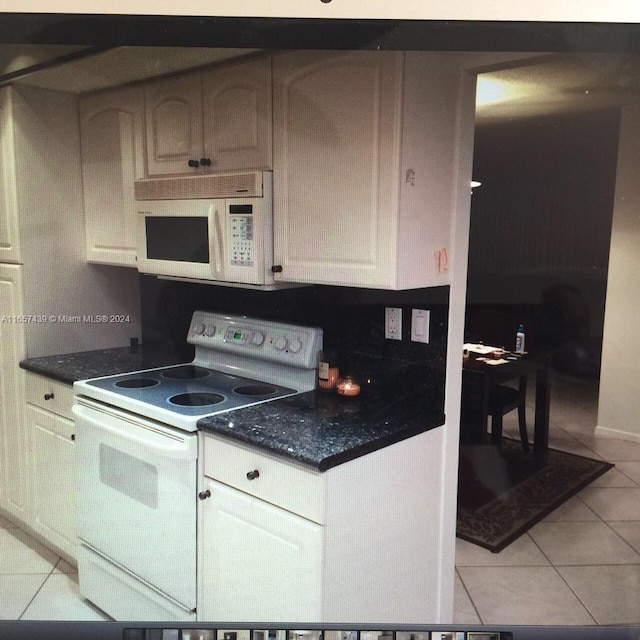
(420, 325)
(393, 323)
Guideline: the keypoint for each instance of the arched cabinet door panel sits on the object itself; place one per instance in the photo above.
(365, 166)
(112, 139)
(237, 115)
(173, 118)
(9, 243)
(217, 120)
(336, 135)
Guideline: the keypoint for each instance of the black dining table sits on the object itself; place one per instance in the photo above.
(478, 379)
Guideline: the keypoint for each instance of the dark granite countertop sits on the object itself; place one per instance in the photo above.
(317, 429)
(103, 362)
(322, 430)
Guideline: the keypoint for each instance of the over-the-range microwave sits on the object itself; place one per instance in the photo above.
(216, 228)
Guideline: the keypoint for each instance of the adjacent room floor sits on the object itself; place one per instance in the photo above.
(580, 565)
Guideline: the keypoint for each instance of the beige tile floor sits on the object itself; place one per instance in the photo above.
(581, 564)
(36, 583)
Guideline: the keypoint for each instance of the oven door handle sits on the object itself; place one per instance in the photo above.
(137, 433)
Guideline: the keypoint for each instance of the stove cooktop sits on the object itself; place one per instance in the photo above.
(238, 362)
(182, 394)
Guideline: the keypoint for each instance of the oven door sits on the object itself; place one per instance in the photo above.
(137, 498)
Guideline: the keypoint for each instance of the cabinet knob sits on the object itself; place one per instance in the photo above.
(193, 163)
(205, 162)
(277, 268)
(49, 396)
(73, 436)
(252, 475)
(203, 495)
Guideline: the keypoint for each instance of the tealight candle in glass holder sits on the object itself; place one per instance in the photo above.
(348, 386)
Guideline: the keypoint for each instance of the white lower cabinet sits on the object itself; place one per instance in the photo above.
(261, 552)
(262, 562)
(50, 432)
(14, 475)
(357, 543)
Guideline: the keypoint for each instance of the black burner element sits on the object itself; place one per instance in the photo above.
(254, 390)
(196, 399)
(137, 383)
(188, 372)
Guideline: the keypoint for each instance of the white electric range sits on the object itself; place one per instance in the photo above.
(136, 443)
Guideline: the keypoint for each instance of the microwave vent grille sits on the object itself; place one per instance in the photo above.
(237, 185)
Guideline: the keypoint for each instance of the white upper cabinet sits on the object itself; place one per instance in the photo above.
(354, 199)
(173, 113)
(218, 120)
(237, 115)
(112, 135)
(9, 244)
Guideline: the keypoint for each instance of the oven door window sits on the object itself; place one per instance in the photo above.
(129, 475)
(177, 238)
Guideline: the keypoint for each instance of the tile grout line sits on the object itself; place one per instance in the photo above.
(473, 604)
(48, 575)
(555, 568)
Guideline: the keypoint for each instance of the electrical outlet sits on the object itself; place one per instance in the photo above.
(393, 323)
(420, 325)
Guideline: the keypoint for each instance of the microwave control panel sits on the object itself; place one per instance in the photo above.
(241, 235)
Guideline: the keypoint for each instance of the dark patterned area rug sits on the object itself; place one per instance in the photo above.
(502, 493)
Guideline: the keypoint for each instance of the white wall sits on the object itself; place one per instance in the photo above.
(619, 401)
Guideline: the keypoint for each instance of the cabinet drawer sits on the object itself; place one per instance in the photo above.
(42, 421)
(286, 485)
(48, 394)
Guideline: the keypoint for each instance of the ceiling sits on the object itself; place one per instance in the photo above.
(555, 84)
(543, 85)
(64, 69)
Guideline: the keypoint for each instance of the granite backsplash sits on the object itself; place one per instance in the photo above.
(352, 320)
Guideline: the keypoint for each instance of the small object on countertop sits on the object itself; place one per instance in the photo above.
(348, 386)
(328, 371)
(520, 340)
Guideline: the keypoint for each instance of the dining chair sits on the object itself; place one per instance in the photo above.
(503, 400)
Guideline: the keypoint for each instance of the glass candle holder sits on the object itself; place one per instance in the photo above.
(348, 386)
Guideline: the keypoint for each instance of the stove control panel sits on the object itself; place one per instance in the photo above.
(266, 340)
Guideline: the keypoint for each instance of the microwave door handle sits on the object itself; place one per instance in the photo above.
(217, 248)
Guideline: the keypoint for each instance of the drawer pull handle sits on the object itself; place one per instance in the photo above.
(252, 475)
(203, 495)
(49, 396)
(73, 436)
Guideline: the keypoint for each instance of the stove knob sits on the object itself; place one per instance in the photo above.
(198, 328)
(210, 330)
(258, 338)
(281, 343)
(295, 346)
